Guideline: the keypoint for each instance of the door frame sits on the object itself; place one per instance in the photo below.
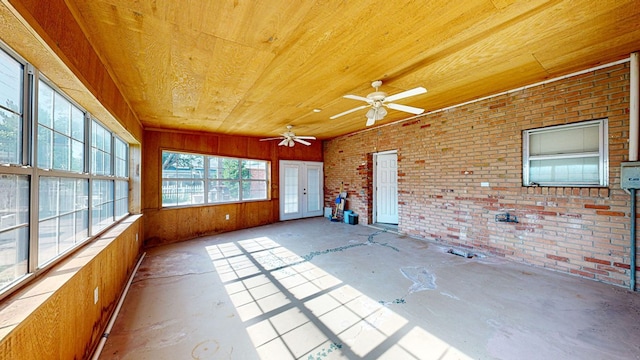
(302, 189)
(374, 218)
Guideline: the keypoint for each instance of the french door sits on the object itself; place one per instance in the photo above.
(301, 194)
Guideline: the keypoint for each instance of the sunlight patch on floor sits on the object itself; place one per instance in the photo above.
(293, 309)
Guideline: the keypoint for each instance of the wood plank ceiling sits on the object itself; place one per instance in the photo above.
(251, 67)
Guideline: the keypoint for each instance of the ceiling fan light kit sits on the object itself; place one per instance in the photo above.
(289, 139)
(378, 100)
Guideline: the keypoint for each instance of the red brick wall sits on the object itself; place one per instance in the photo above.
(444, 157)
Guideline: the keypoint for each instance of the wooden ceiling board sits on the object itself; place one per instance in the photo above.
(252, 67)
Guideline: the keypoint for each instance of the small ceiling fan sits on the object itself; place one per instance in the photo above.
(378, 100)
(289, 138)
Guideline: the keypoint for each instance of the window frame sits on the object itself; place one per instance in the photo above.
(602, 153)
(69, 215)
(207, 179)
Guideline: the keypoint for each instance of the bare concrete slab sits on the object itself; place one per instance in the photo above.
(315, 289)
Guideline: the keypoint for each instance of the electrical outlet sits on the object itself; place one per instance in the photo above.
(226, 217)
(136, 237)
(95, 295)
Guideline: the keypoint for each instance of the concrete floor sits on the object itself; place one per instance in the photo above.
(315, 289)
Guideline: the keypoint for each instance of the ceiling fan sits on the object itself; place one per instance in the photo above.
(378, 100)
(289, 138)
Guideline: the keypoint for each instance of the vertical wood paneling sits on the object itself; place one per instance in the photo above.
(176, 224)
(63, 322)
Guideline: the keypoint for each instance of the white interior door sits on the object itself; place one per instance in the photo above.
(301, 193)
(386, 188)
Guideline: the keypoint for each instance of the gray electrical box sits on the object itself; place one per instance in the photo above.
(630, 175)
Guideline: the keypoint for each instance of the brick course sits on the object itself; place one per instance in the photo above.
(444, 157)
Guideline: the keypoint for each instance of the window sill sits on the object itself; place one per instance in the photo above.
(19, 306)
(592, 192)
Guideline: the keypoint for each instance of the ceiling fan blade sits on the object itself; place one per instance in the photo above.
(306, 137)
(356, 97)
(273, 138)
(404, 94)
(405, 108)
(283, 142)
(297, 139)
(370, 121)
(348, 111)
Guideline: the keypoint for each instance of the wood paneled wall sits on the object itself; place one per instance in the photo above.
(167, 225)
(55, 316)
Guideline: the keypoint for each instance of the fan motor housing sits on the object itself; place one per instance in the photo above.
(377, 96)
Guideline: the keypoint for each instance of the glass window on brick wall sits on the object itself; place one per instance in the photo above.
(566, 155)
(227, 179)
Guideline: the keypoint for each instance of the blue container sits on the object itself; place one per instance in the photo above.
(347, 213)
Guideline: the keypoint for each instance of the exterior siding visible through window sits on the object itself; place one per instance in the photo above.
(566, 155)
(194, 179)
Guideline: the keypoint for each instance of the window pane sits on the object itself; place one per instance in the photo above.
(102, 205)
(77, 124)
(291, 190)
(62, 114)
(100, 150)
(14, 201)
(254, 190)
(223, 191)
(10, 137)
(47, 240)
(45, 105)
(314, 200)
(61, 152)
(11, 90)
(63, 215)
(121, 160)
(182, 166)
(122, 198)
(169, 193)
(77, 156)
(565, 141)
(573, 171)
(45, 148)
(14, 253)
(252, 169)
(11, 75)
(14, 227)
(48, 198)
(224, 168)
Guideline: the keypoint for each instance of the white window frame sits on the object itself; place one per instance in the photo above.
(27, 168)
(206, 179)
(602, 153)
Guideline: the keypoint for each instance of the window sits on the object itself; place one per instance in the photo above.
(566, 155)
(11, 104)
(187, 178)
(14, 181)
(14, 227)
(63, 216)
(65, 176)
